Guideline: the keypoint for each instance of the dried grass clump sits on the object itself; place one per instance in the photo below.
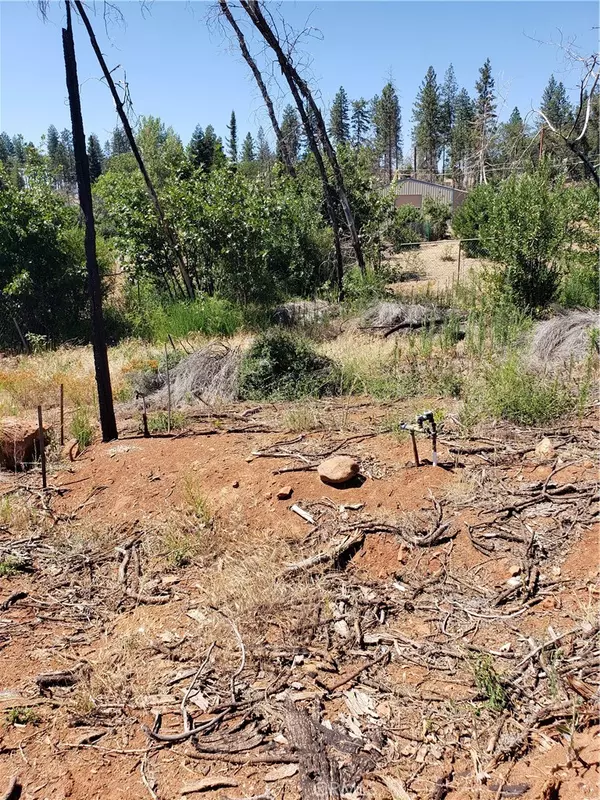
(210, 374)
(563, 339)
(389, 314)
(302, 312)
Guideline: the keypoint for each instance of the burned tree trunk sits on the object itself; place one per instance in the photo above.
(105, 400)
(167, 229)
(261, 85)
(252, 8)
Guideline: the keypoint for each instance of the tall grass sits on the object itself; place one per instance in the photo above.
(210, 316)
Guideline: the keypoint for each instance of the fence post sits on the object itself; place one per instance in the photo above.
(168, 391)
(42, 444)
(458, 271)
(62, 415)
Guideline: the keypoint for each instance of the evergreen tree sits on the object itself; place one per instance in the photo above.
(291, 131)
(232, 147)
(7, 149)
(449, 93)
(360, 122)
(248, 154)
(263, 150)
(206, 149)
(119, 143)
(95, 157)
(388, 128)
(52, 143)
(19, 148)
(556, 105)
(462, 138)
(428, 130)
(485, 113)
(339, 118)
(514, 153)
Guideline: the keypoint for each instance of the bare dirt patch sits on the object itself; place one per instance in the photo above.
(427, 626)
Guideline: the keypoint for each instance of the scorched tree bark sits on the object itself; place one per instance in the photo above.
(108, 422)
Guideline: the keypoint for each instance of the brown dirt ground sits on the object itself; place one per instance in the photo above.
(138, 484)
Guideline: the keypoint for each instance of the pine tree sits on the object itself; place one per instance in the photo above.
(95, 157)
(119, 143)
(556, 105)
(449, 93)
(52, 143)
(206, 149)
(428, 130)
(485, 116)
(263, 150)
(388, 128)
(513, 152)
(291, 131)
(462, 138)
(6, 147)
(360, 121)
(339, 118)
(19, 148)
(232, 147)
(248, 154)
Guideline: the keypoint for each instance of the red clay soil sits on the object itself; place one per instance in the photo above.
(135, 481)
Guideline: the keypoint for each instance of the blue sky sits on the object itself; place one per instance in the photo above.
(187, 72)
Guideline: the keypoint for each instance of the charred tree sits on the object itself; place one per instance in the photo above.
(108, 422)
(252, 8)
(226, 11)
(166, 227)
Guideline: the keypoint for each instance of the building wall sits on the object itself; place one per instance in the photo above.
(415, 200)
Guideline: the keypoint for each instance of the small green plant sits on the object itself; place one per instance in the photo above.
(12, 566)
(22, 715)
(507, 390)
(81, 427)
(196, 500)
(158, 421)
(489, 684)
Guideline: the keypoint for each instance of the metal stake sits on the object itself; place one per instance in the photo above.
(42, 444)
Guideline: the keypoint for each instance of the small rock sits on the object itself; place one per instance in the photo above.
(515, 569)
(338, 469)
(250, 459)
(341, 628)
(545, 449)
(556, 571)
(235, 484)
(268, 496)
(514, 582)
(284, 493)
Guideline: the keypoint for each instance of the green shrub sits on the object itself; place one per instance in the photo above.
(361, 288)
(436, 214)
(581, 287)
(406, 228)
(283, 366)
(81, 427)
(471, 217)
(22, 715)
(11, 565)
(507, 390)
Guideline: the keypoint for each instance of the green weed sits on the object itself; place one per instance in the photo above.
(22, 715)
(489, 684)
(158, 421)
(509, 391)
(196, 500)
(10, 566)
(81, 427)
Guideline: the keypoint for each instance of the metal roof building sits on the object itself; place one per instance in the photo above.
(411, 191)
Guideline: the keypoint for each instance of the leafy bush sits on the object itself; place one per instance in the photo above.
(436, 214)
(407, 227)
(525, 233)
(362, 288)
(284, 366)
(43, 279)
(471, 218)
